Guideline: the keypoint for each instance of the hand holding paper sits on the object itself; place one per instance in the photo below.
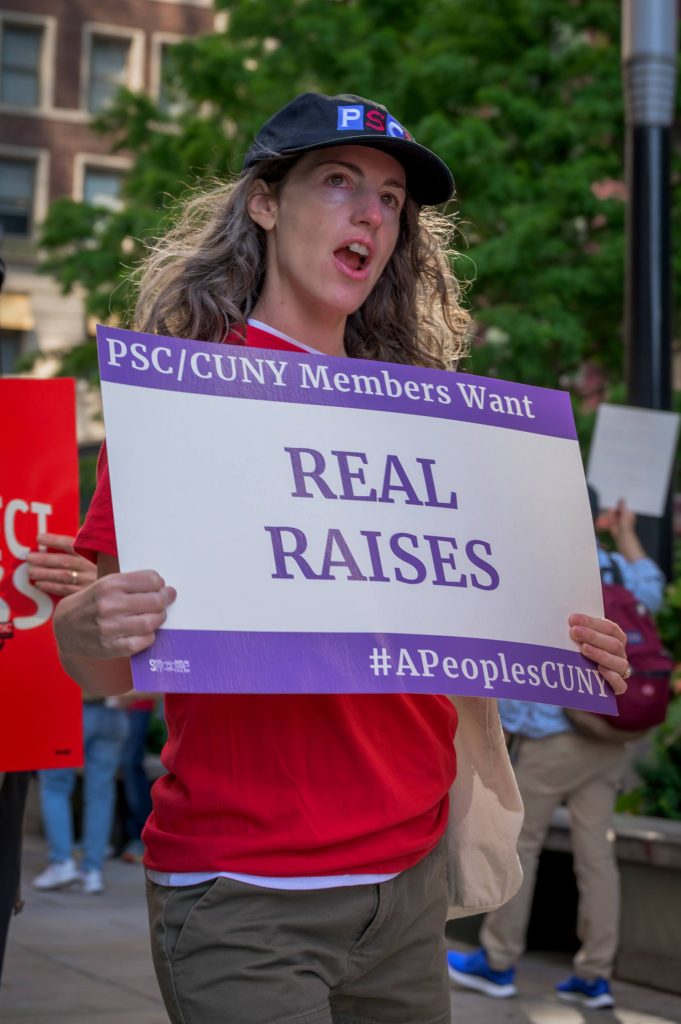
(62, 571)
(621, 522)
(603, 642)
(116, 617)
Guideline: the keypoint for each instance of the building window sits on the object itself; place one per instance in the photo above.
(102, 187)
(17, 187)
(20, 65)
(171, 98)
(10, 350)
(109, 64)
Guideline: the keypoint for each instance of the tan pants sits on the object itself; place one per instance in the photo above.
(361, 954)
(585, 774)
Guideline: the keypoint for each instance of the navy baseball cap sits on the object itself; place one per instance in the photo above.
(314, 121)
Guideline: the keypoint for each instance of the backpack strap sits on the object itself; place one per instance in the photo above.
(614, 568)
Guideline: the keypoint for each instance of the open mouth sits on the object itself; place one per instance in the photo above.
(354, 256)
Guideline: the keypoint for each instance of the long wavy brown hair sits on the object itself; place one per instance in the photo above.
(204, 277)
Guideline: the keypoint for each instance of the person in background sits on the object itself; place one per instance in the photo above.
(13, 792)
(554, 763)
(136, 784)
(639, 573)
(59, 572)
(62, 572)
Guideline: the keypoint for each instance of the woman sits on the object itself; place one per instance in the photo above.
(299, 837)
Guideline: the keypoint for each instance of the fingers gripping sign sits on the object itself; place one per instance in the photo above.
(116, 617)
(605, 643)
(59, 571)
(128, 609)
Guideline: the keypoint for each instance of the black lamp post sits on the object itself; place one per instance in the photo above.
(649, 55)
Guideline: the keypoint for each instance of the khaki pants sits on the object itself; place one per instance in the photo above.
(585, 774)
(225, 951)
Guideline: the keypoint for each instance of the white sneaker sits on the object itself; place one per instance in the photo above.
(92, 881)
(57, 876)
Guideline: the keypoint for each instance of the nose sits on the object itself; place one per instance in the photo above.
(369, 208)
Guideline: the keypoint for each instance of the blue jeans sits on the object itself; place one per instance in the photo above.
(104, 732)
(135, 780)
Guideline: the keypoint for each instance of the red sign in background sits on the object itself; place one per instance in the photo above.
(40, 707)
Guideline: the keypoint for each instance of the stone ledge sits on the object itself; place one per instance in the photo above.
(639, 840)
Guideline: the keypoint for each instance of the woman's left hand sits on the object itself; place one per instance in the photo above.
(59, 572)
(605, 643)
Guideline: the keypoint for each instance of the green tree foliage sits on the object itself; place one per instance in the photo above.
(660, 790)
(661, 772)
(669, 618)
(522, 98)
(659, 794)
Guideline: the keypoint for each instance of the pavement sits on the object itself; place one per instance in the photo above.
(76, 959)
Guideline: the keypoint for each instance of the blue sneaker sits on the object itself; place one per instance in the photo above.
(594, 995)
(471, 970)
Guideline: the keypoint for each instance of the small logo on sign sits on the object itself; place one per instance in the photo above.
(180, 665)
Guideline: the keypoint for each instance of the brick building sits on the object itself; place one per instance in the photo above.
(60, 62)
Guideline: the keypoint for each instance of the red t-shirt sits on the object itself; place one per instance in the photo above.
(286, 785)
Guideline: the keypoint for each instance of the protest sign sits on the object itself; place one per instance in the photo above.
(349, 526)
(631, 457)
(41, 718)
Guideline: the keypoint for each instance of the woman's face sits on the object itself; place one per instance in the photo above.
(330, 231)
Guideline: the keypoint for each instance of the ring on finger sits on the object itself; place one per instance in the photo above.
(74, 577)
(627, 673)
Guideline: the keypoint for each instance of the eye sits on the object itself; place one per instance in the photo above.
(390, 199)
(336, 179)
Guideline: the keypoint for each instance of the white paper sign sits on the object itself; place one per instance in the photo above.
(348, 526)
(632, 456)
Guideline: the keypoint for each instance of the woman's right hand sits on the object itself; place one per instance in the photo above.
(115, 617)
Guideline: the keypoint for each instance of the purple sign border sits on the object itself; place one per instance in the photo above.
(163, 363)
(212, 661)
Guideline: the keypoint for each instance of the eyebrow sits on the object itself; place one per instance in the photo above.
(358, 170)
